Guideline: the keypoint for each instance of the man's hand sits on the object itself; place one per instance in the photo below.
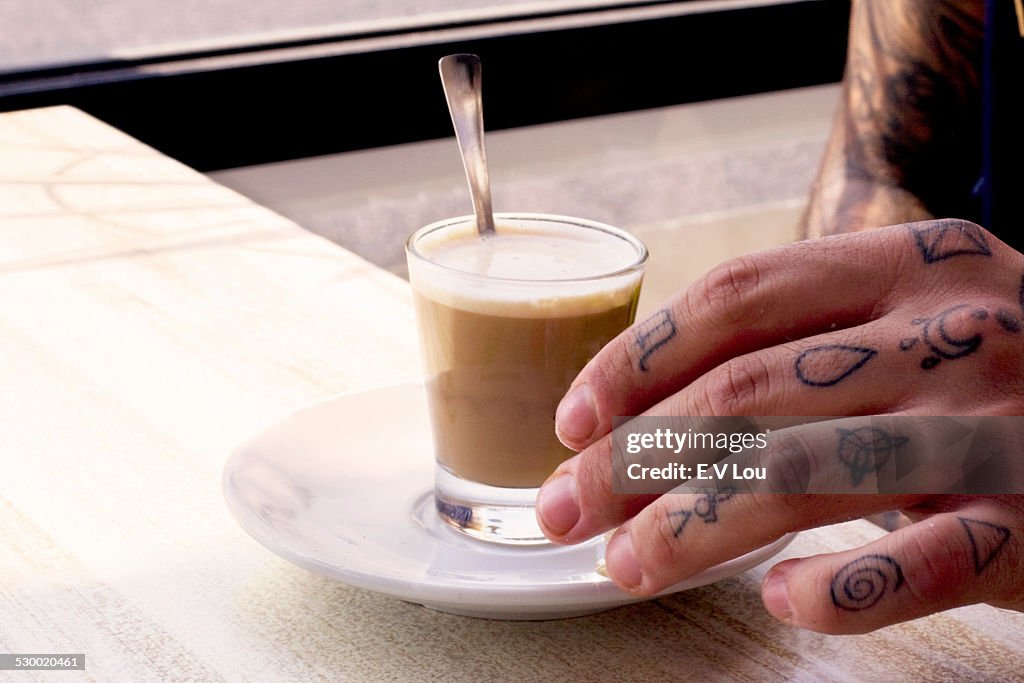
(917, 319)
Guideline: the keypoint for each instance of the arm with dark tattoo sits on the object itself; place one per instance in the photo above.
(905, 143)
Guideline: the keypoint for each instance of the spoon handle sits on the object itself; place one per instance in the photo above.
(460, 77)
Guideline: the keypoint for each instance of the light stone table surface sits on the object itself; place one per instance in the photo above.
(150, 321)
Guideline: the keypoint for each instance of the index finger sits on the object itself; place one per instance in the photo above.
(753, 302)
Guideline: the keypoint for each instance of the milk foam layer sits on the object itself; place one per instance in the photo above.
(527, 269)
(535, 256)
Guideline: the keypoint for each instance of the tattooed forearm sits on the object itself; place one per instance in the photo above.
(705, 507)
(830, 364)
(905, 144)
(987, 540)
(915, 91)
(936, 335)
(941, 240)
(652, 334)
(862, 583)
(866, 449)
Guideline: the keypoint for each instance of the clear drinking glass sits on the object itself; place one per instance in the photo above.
(506, 322)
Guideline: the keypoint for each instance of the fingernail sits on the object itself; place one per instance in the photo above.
(776, 595)
(557, 506)
(576, 418)
(621, 561)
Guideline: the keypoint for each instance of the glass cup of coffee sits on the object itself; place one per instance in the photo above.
(506, 322)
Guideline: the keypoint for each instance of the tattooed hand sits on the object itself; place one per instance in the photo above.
(916, 319)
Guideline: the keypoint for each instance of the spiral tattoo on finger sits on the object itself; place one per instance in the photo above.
(862, 583)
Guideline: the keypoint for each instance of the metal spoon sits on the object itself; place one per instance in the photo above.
(460, 77)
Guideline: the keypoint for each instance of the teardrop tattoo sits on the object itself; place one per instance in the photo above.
(830, 364)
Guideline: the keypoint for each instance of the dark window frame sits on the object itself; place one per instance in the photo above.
(254, 104)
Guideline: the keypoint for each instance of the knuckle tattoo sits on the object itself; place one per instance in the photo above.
(948, 238)
(704, 507)
(986, 539)
(866, 450)
(950, 335)
(652, 334)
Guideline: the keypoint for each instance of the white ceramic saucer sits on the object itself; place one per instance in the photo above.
(344, 488)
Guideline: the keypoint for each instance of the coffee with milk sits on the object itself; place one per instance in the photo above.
(506, 322)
